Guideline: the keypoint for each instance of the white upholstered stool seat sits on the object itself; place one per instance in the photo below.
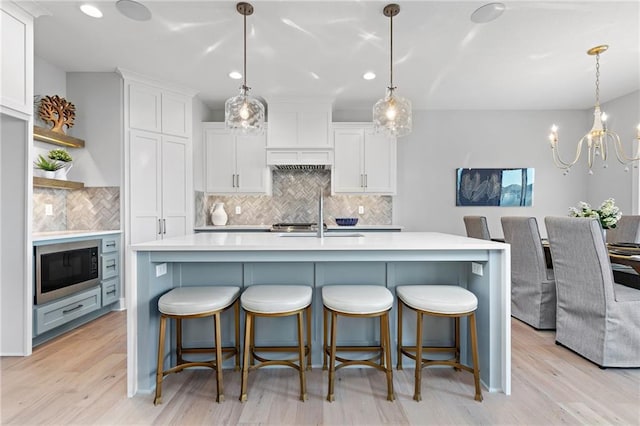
(358, 301)
(276, 301)
(441, 299)
(271, 299)
(444, 301)
(197, 302)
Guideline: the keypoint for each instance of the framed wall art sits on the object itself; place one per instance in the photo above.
(495, 187)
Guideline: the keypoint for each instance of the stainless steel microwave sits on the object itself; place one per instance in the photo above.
(66, 268)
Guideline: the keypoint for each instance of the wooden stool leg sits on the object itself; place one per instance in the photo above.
(476, 363)
(417, 394)
(399, 364)
(218, 342)
(325, 324)
(179, 341)
(245, 359)
(161, 335)
(301, 358)
(308, 314)
(236, 315)
(332, 358)
(387, 350)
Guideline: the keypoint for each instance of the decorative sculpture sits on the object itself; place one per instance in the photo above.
(57, 111)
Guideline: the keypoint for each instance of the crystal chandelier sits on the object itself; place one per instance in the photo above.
(599, 137)
(244, 113)
(392, 114)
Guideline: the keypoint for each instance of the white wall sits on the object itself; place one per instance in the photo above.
(624, 117)
(99, 104)
(442, 141)
(48, 80)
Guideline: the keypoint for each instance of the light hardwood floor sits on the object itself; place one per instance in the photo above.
(80, 378)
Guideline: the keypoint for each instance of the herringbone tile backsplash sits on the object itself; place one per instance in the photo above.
(95, 208)
(295, 199)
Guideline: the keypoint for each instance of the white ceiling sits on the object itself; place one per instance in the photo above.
(532, 57)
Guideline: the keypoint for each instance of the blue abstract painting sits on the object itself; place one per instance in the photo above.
(494, 187)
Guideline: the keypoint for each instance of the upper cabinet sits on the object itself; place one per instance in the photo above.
(234, 163)
(16, 56)
(365, 161)
(299, 124)
(157, 110)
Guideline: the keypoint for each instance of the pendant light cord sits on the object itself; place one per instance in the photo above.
(244, 70)
(391, 55)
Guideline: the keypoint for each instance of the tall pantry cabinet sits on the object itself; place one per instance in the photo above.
(158, 159)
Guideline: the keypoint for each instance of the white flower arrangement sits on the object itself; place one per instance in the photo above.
(608, 214)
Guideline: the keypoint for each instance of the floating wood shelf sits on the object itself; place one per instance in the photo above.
(56, 183)
(46, 135)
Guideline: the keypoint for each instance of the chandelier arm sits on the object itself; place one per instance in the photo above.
(563, 164)
(622, 156)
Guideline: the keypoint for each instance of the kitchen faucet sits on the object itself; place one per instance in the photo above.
(320, 233)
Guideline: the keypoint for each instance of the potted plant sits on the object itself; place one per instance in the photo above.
(48, 167)
(63, 158)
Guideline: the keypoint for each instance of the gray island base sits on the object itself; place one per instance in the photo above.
(386, 259)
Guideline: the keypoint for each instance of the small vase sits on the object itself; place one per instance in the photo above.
(49, 174)
(218, 215)
(61, 174)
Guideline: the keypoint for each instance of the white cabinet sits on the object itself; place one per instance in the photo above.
(159, 190)
(365, 162)
(299, 124)
(157, 110)
(16, 56)
(234, 163)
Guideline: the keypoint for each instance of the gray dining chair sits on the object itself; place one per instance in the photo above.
(596, 317)
(627, 230)
(533, 287)
(477, 227)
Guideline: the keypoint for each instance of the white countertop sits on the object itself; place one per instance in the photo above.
(335, 241)
(231, 228)
(56, 235)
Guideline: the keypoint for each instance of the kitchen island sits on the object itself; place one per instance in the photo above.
(387, 259)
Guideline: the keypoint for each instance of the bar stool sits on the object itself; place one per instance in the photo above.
(357, 301)
(443, 301)
(197, 302)
(276, 301)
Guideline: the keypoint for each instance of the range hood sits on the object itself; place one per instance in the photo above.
(301, 167)
(300, 159)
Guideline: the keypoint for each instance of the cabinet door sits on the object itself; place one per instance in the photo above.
(175, 198)
(379, 163)
(283, 129)
(220, 166)
(145, 166)
(348, 153)
(145, 107)
(16, 55)
(176, 110)
(251, 163)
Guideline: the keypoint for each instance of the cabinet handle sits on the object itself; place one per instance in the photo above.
(111, 244)
(366, 180)
(233, 181)
(237, 181)
(66, 311)
(111, 292)
(164, 226)
(159, 226)
(112, 266)
(361, 180)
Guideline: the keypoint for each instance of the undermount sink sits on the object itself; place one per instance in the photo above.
(326, 234)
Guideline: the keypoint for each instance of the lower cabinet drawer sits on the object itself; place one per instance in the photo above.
(110, 291)
(110, 267)
(54, 314)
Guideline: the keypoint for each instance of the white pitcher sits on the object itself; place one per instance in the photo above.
(218, 215)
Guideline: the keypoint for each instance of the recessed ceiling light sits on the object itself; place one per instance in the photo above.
(369, 75)
(133, 10)
(235, 75)
(91, 10)
(487, 13)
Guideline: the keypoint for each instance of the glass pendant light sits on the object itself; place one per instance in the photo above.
(244, 113)
(392, 114)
